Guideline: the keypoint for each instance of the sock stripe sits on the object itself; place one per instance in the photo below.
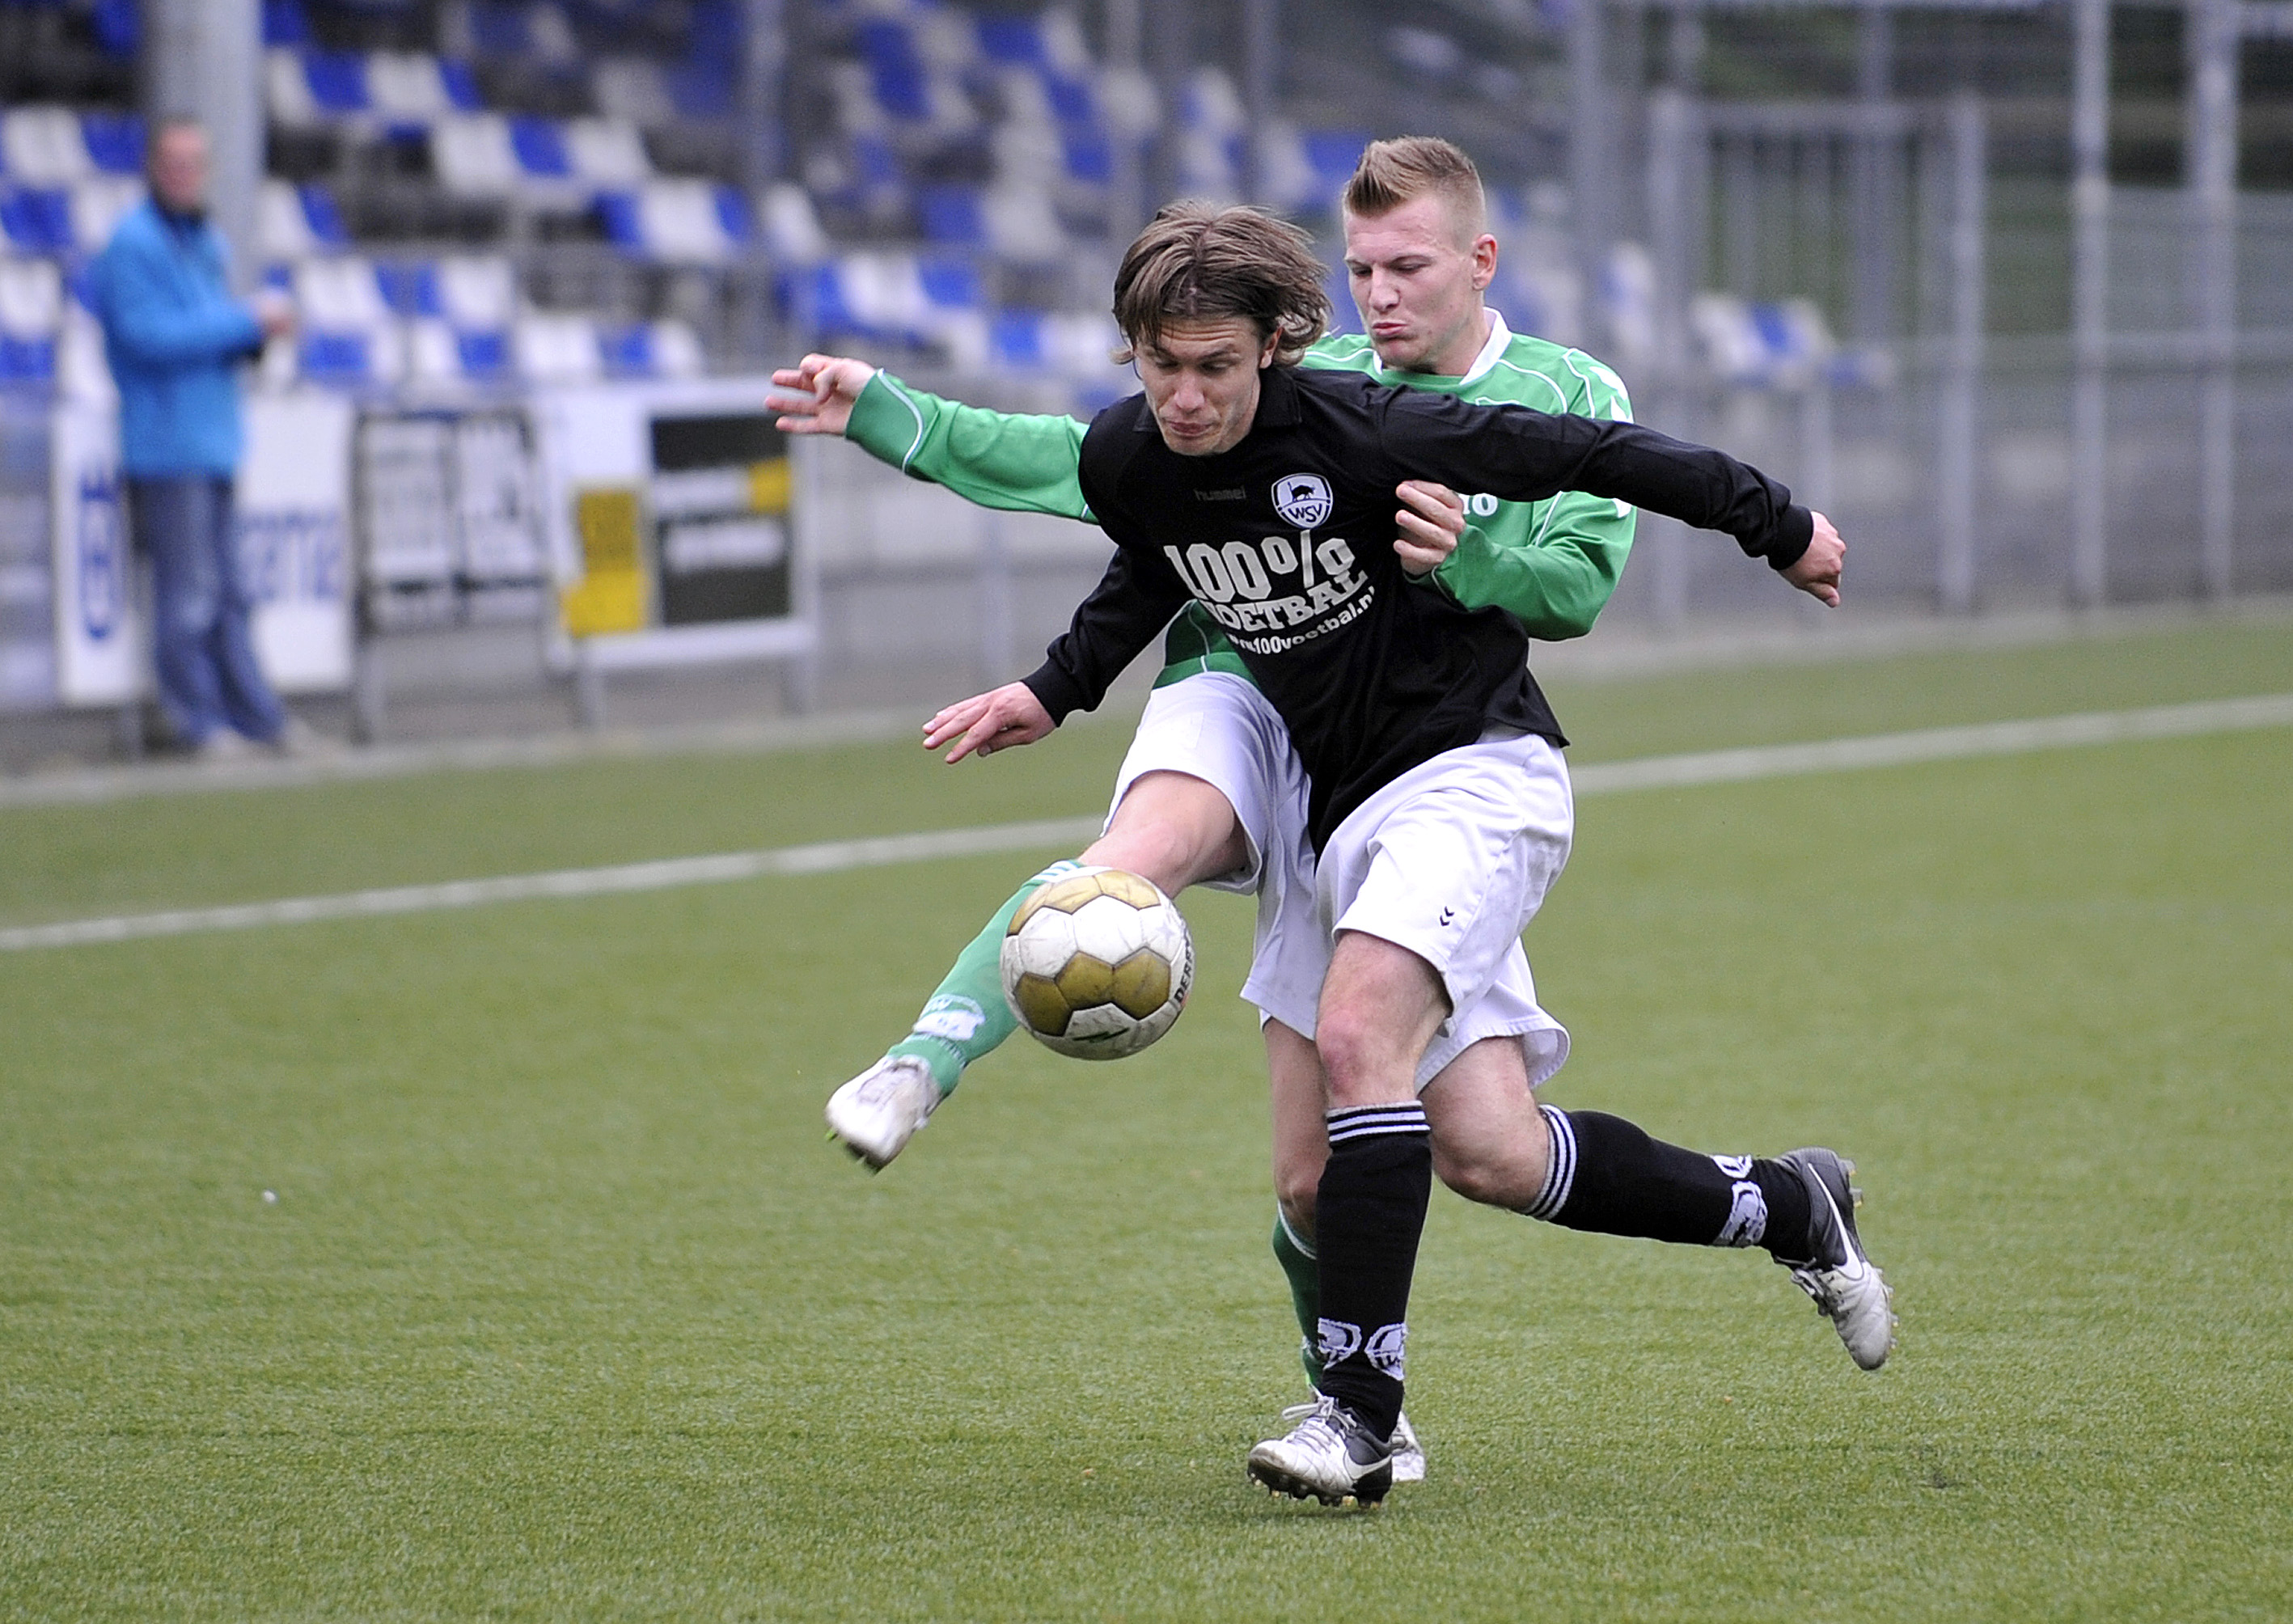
(1560, 1172)
(1375, 1121)
(1305, 1248)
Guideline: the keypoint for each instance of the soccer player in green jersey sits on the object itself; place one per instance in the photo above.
(1419, 258)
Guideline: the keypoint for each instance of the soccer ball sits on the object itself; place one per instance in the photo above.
(1097, 963)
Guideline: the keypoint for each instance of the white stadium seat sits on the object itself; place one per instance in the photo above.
(31, 298)
(472, 154)
(607, 152)
(43, 145)
(557, 349)
(97, 205)
(477, 291)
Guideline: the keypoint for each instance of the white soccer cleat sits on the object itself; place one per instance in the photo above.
(1408, 1450)
(1328, 1455)
(1408, 1453)
(1847, 1286)
(879, 1111)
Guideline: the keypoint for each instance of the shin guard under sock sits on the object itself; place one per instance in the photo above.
(1608, 1177)
(1303, 1273)
(967, 1018)
(1368, 1219)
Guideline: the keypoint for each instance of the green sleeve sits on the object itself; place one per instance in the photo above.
(1021, 463)
(1550, 565)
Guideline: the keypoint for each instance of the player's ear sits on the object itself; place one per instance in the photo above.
(1266, 347)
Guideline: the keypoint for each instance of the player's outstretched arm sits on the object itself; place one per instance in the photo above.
(1017, 462)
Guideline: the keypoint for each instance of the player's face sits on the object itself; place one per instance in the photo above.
(1202, 382)
(1417, 275)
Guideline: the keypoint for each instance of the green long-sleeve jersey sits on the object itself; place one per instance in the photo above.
(1552, 565)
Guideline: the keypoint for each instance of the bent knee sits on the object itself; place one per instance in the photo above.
(1490, 1175)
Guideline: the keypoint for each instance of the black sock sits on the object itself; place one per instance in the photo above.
(1367, 1218)
(1610, 1178)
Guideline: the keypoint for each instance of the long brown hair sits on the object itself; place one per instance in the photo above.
(1195, 262)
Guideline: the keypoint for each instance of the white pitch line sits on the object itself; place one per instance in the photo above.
(1937, 744)
(835, 856)
(828, 856)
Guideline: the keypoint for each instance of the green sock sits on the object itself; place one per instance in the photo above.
(967, 1016)
(1297, 1261)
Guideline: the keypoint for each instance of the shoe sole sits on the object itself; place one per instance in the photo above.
(1370, 1491)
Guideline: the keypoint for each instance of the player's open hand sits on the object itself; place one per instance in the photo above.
(816, 395)
(1431, 518)
(1008, 716)
(1817, 573)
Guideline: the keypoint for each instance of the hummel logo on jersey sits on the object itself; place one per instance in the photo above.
(1233, 493)
(1303, 499)
(1448, 917)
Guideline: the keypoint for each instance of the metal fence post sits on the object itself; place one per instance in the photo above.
(1962, 373)
(2215, 25)
(2090, 305)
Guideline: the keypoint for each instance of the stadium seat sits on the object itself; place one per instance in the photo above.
(1021, 225)
(556, 349)
(682, 222)
(633, 87)
(412, 89)
(652, 350)
(607, 153)
(410, 290)
(953, 215)
(477, 292)
(97, 207)
(31, 314)
(114, 142)
(340, 294)
(792, 226)
(292, 222)
(42, 147)
(284, 23)
(37, 220)
(472, 154)
(353, 360)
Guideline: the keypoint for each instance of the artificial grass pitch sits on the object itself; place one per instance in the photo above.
(564, 1309)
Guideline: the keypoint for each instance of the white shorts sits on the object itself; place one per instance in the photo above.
(1451, 860)
(1219, 728)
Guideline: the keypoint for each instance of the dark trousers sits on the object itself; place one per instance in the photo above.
(208, 676)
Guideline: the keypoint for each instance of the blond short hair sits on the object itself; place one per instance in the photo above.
(1392, 173)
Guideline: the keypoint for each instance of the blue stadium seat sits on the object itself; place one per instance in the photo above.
(950, 283)
(410, 290)
(1014, 42)
(27, 363)
(284, 23)
(1089, 156)
(341, 360)
(37, 220)
(1018, 339)
(115, 141)
(540, 144)
(337, 81)
(952, 215)
(1335, 154)
(484, 355)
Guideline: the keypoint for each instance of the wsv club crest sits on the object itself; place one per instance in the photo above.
(1303, 500)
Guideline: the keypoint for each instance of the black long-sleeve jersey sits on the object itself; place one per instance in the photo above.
(1287, 539)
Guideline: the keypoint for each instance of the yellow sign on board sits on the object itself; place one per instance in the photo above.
(610, 596)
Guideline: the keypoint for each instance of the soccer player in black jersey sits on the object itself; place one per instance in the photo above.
(1435, 776)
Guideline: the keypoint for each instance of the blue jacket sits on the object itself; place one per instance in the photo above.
(175, 338)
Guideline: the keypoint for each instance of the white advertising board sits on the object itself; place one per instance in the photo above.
(294, 537)
(293, 509)
(99, 658)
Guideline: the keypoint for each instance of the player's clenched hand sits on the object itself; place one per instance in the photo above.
(815, 396)
(1818, 572)
(1430, 520)
(987, 722)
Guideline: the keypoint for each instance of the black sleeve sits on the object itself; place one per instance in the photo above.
(1112, 627)
(1520, 455)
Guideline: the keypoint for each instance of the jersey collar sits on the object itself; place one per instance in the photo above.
(1500, 335)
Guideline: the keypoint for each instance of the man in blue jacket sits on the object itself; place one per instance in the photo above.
(175, 338)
